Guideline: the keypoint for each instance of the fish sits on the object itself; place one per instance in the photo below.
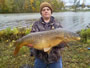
(46, 40)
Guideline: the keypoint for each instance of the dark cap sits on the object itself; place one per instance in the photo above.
(45, 4)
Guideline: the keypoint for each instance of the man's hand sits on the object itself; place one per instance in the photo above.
(30, 45)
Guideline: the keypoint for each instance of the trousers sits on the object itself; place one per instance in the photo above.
(40, 64)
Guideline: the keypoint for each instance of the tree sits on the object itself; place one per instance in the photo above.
(32, 5)
(37, 4)
(83, 4)
(27, 5)
(2, 5)
(76, 4)
(61, 4)
(9, 5)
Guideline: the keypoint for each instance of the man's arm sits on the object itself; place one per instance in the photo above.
(34, 29)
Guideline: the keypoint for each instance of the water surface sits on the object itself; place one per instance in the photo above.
(73, 21)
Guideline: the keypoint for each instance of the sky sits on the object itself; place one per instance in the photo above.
(87, 2)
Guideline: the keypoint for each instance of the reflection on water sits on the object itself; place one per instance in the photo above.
(17, 20)
(73, 21)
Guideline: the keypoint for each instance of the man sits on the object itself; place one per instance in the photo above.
(47, 22)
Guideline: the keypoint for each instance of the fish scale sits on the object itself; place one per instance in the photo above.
(46, 40)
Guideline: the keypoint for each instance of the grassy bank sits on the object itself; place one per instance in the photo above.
(7, 58)
(76, 56)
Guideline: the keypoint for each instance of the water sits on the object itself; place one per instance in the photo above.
(74, 21)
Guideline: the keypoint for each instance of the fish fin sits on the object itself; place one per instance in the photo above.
(47, 49)
(16, 50)
(19, 45)
(29, 45)
(57, 37)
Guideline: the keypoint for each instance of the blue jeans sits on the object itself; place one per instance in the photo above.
(40, 64)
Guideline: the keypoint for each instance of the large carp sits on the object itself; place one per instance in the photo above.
(45, 40)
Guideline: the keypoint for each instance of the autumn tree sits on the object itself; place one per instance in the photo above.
(27, 5)
(9, 5)
(2, 5)
(37, 5)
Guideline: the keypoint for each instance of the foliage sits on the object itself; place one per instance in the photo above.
(16, 33)
(85, 35)
(27, 5)
(83, 5)
(13, 34)
(76, 56)
(76, 4)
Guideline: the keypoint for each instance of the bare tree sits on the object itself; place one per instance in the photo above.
(76, 4)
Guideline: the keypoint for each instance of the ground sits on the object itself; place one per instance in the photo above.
(76, 56)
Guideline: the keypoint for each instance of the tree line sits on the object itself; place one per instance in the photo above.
(16, 6)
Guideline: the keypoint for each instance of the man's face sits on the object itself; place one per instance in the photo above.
(46, 12)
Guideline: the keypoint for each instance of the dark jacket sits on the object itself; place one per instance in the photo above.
(55, 52)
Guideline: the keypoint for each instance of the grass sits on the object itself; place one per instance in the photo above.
(76, 56)
(7, 58)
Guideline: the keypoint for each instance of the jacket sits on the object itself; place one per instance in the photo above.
(54, 55)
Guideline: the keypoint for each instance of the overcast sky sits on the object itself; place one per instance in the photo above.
(87, 2)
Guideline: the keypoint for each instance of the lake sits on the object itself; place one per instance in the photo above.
(74, 21)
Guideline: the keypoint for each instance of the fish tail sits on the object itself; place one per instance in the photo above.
(16, 50)
(18, 47)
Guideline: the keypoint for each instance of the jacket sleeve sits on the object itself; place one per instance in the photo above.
(34, 29)
(62, 45)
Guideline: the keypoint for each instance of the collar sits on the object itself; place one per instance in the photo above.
(51, 22)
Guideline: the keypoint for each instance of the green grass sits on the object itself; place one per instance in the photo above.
(8, 60)
(76, 56)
